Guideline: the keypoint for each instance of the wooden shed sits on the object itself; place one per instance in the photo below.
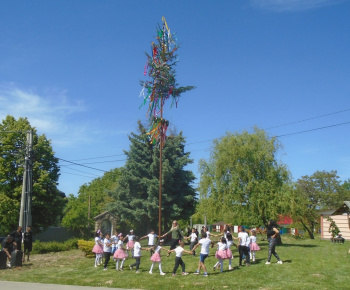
(341, 217)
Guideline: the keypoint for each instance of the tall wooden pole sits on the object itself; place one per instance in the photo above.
(160, 167)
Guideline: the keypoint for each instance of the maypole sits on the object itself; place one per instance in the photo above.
(160, 87)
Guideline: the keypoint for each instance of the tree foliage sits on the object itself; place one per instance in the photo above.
(320, 191)
(136, 198)
(47, 202)
(76, 211)
(243, 182)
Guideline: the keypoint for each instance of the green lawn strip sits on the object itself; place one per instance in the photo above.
(307, 264)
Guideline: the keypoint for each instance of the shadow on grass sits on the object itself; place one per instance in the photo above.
(296, 245)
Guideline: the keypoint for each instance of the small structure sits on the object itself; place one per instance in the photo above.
(106, 222)
(341, 217)
(219, 227)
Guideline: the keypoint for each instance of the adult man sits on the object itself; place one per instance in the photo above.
(8, 245)
(242, 246)
(205, 242)
(17, 236)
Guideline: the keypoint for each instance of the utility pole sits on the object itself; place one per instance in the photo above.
(25, 217)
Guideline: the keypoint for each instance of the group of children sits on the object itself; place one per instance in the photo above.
(114, 246)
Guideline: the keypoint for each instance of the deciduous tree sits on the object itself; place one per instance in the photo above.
(243, 180)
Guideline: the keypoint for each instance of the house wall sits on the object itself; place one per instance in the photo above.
(341, 221)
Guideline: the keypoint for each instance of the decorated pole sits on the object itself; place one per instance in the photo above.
(160, 87)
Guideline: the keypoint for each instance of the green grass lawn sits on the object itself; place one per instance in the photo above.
(307, 264)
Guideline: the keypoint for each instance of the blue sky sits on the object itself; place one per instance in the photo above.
(73, 68)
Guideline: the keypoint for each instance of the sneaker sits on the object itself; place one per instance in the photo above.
(279, 262)
(130, 267)
(248, 264)
(214, 268)
(205, 274)
(173, 275)
(267, 263)
(161, 273)
(150, 272)
(196, 273)
(120, 269)
(230, 268)
(184, 273)
(104, 269)
(137, 272)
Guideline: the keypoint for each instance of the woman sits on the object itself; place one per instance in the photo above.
(176, 236)
(272, 235)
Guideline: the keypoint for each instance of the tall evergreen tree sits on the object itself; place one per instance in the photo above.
(136, 196)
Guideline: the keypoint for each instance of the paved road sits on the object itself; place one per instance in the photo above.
(39, 286)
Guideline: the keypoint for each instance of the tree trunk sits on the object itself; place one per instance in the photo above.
(311, 234)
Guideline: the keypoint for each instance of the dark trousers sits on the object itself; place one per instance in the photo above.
(178, 262)
(173, 243)
(272, 247)
(151, 250)
(192, 246)
(107, 256)
(243, 250)
(137, 263)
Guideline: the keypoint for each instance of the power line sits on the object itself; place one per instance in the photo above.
(315, 129)
(304, 120)
(76, 174)
(82, 165)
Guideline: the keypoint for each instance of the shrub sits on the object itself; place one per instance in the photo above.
(86, 247)
(47, 247)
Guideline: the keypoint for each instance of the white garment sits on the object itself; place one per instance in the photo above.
(157, 249)
(179, 251)
(114, 240)
(120, 244)
(97, 239)
(222, 246)
(247, 243)
(193, 237)
(151, 238)
(205, 244)
(253, 239)
(106, 245)
(229, 244)
(243, 240)
(137, 249)
(130, 237)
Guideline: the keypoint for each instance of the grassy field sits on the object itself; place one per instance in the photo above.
(307, 264)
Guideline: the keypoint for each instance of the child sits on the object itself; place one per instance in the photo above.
(107, 248)
(205, 243)
(229, 252)
(156, 257)
(137, 254)
(221, 254)
(98, 249)
(151, 238)
(130, 243)
(178, 260)
(253, 245)
(120, 254)
(114, 239)
(194, 239)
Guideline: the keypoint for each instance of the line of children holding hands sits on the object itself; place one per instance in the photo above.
(114, 246)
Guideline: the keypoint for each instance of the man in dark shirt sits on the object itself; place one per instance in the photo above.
(8, 245)
(17, 236)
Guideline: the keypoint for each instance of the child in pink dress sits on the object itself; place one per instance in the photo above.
(98, 248)
(156, 257)
(120, 254)
(221, 253)
(253, 245)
